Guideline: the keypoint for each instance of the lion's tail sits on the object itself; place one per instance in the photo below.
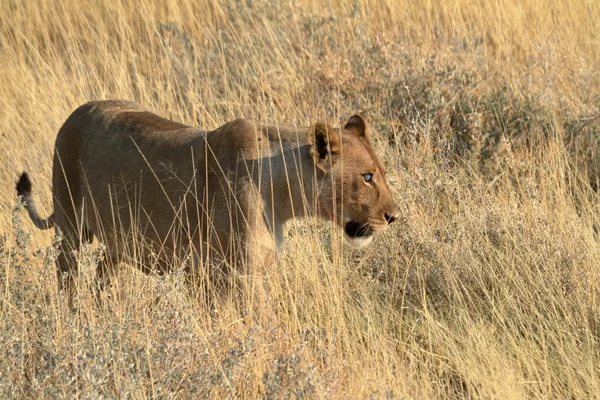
(24, 190)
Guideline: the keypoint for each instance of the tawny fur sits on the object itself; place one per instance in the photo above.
(155, 191)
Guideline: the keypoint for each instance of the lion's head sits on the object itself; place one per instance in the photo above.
(353, 190)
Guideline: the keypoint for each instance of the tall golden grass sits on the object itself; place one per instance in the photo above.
(487, 115)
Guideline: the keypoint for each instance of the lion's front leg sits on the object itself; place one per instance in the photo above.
(247, 273)
(259, 303)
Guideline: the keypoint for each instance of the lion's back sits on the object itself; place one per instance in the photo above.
(107, 151)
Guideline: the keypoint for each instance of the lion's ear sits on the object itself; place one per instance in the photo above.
(324, 144)
(357, 126)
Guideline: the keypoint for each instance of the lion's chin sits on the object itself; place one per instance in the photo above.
(359, 242)
(358, 235)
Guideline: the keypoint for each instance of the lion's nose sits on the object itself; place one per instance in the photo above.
(390, 218)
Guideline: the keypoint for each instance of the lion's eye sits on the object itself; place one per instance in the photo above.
(368, 177)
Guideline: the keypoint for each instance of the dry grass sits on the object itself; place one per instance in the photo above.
(487, 114)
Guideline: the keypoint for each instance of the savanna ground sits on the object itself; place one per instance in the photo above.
(487, 116)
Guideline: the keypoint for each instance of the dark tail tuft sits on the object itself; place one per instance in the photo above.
(24, 190)
(24, 184)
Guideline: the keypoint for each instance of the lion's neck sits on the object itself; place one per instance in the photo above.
(288, 189)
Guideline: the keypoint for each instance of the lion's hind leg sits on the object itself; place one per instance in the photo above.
(67, 262)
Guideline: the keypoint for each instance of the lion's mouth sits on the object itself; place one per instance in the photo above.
(355, 230)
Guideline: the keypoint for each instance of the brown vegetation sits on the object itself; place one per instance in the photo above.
(487, 116)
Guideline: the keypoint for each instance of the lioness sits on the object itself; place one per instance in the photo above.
(121, 172)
